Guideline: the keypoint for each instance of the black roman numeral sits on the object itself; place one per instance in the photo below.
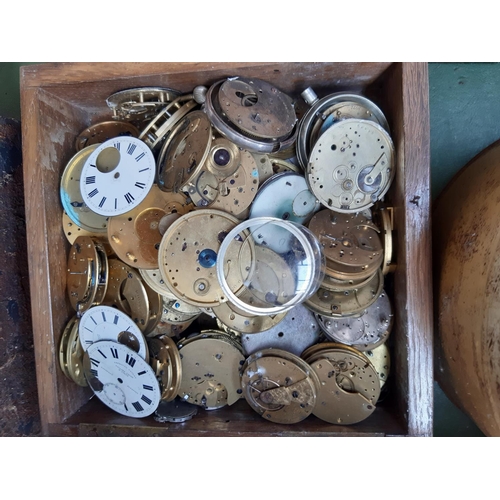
(89, 342)
(146, 399)
(94, 372)
(137, 406)
(117, 145)
(93, 166)
(94, 361)
(126, 409)
(116, 201)
(143, 170)
(90, 179)
(131, 148)
(140, 185)
(114, 352)
(102, 354)
(141, 373)
(130, 360)
(115, 321)
(93, 193)
(129, 198)
(140, 157)
(103, 315)
(147, 387)
(93, 320)
(102, 201)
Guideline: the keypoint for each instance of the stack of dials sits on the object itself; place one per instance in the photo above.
(202, 265)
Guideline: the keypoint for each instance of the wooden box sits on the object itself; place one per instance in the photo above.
(60, 100)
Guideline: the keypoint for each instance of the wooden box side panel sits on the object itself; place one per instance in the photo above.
(49, 127)
(408, 103)
(75, 105)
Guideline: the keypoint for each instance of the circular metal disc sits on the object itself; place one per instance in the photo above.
(264, 166)
(350, 388)
(180, 307)
(342, 111)
(383, 217)
(350, 242)
(71, 197)
(280, 166)
(348, 330)
(365, 332)
(72, 231)
(188, 254)
(169, 329)
(184, 152)
(321, 106)
(135, 236)
(164, 122)
(278, 388)
(82, 275)
(236, 319)
(183, 312)
(349, 302)
(64, 343)
(210, 372)
(257, 108)
(237, 191)
(153, 279)
(378, 319)
(351, 165)
(101, 132)
(381, 361)
(175, 411)
(167, 363)
(337, 285)
(175, 360)
(140, 103)
(295, 333)
(285, 196)
(127, 292)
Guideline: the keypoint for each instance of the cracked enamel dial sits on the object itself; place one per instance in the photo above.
(121, 379)
(117, 176)
(108, 323)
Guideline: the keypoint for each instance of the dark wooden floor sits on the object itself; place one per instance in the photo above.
(19, 415)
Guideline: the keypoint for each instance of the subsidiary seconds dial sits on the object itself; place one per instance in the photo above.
(121, 379)
(117, 176)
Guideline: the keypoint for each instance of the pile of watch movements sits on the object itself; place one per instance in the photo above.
(224, 249)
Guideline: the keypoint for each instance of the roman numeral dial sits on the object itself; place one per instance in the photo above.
(121, 379)
(107, 323)
(117, 176)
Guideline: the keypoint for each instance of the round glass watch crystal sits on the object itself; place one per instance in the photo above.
(283, 269)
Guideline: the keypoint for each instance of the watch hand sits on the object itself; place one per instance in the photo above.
(377, 169)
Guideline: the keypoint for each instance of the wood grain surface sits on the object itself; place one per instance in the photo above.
(467, 286)
(58, 101)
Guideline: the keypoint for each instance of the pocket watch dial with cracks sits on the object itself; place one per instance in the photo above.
(121, 379)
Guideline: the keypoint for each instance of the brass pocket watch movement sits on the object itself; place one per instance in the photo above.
(225, 251)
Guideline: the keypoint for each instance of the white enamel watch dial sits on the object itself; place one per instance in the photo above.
(121, 379)
(108, 323)
(117, 176)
